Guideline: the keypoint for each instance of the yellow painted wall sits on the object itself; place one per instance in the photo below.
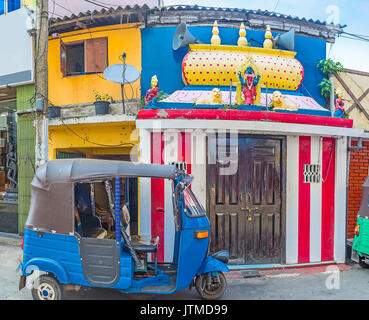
(107, 133)
(79, 88)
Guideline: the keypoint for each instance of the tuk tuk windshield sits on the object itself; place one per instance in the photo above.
(193, 208)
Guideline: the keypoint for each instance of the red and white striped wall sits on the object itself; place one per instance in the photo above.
(156, 208)
(315, 212)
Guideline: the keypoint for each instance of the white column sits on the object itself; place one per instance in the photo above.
(198, 165)
(340, 201)
(316, 204)
(144, 222)
(170, 155)
(292, 204)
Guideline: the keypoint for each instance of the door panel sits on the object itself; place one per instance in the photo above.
(100, 261)
(245, 208)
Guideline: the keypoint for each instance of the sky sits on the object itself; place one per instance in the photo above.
(353, 54)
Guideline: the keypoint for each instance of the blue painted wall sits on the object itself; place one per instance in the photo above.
(159, 58)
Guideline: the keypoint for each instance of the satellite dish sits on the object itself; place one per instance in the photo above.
(114, 73)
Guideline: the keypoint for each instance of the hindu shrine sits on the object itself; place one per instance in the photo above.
(241, 77)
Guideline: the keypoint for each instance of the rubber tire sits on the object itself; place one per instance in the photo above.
(205, 294)
(363, 264)
(51, 281)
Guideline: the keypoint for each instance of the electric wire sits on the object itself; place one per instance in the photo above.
(275, 7)
(96, 4)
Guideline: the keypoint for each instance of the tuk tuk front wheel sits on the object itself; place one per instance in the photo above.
(362, 263)
(211, 287)
(47, 288)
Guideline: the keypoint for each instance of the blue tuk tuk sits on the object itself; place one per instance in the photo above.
(69, 245)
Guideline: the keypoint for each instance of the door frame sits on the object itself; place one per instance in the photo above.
(283, 166)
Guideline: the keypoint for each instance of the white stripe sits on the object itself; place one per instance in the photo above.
(292, 204)
(170, 155)
(340, 201)
(316, 204)
(198, 165)
(145, 185)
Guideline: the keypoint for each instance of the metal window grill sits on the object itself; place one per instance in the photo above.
(179, 165)
(312, 173)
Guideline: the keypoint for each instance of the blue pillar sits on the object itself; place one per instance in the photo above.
(117, 210)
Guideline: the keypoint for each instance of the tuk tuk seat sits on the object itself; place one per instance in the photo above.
(98, 233)
(144, 246)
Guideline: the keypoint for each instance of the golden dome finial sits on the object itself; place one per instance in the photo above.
(215, 39)
(268, 43)
(242, 41)
(154, 81)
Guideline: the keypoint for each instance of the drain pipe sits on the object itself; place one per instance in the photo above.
(349, 149)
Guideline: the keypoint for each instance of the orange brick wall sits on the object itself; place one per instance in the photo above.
(359, 162)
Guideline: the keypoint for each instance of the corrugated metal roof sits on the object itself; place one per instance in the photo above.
(139, 14)
(247, 11)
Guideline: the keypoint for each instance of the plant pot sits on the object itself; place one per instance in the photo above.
(102, 107)
(53, 112)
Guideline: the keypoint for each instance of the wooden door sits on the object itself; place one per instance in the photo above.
(245, 207)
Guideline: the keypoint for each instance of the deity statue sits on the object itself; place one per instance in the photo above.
(340, 112)
(11, 165)
(152, 93)
(249, 81)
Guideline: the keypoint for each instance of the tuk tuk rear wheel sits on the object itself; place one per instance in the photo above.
(212, 291)
(47, 288)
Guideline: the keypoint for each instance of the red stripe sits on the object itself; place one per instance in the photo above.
(304, 202)
(157, 194)
(184, 149)
(244, 116)
(328, 189)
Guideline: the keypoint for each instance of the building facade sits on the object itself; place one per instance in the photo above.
(16, 92)
(273, 186)
(284, 201)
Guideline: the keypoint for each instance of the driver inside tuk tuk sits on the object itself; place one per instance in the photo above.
(85, 223)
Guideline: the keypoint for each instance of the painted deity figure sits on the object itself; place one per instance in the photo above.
(152, 93)
(340, 112)
(249, 81)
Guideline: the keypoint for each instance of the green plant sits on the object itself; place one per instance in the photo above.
(325, 88)
(328, 67)
(102, 96)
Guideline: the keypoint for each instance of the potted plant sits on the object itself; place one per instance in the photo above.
(102, 102)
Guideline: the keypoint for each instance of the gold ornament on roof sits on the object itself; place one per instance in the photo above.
(242, 41)
(268, 43)
(215, 39)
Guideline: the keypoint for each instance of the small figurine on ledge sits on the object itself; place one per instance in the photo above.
(249, 81)
(214, 97)
(340, 111)
(280, 103)
(152, 93)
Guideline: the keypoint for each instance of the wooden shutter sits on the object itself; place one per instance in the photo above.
(63, 58)
(96, 55)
